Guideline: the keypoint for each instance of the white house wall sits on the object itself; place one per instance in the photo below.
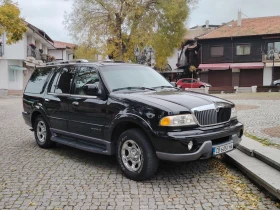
(172, 61)
(16, 51)
(267, 76)
(58, 54)
(4, 76)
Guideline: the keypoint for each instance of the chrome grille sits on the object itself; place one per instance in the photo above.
(212, 116)
(207, 117)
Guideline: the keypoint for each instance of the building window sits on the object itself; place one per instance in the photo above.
(243, 49)
(273, 46)
(217, 51)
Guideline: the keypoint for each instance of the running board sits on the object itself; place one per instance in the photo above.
(89, 147)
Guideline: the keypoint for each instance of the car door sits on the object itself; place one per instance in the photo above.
(87, 111)
(194, 83)
(186, 83)
(56, 102)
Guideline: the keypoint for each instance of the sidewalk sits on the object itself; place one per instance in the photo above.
(259, 163)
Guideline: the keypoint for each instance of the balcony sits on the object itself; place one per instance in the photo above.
(39, 55)
(32, 52)
(268, 58)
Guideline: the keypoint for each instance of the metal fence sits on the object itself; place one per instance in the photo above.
(31, 52)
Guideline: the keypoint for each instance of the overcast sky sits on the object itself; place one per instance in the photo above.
(48, 15)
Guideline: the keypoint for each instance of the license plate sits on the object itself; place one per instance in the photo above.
(222, 149)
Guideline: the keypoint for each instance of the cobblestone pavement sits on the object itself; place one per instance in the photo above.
(258, 112)
(67, 178)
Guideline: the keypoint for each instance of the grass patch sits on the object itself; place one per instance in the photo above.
(264, 142)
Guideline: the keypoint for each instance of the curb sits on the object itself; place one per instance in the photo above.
(256, 170)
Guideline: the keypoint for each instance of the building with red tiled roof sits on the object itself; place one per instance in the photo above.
(64, 45)
(249, 27)
(240, 53)
(64, 51)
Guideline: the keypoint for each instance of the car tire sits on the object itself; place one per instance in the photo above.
(144, 163)
(278, 84)
(201, 86)
(42, 133)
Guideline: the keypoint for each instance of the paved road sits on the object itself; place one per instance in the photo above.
(260, 114)
(66, 178)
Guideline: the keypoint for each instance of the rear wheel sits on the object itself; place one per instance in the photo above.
(278, 84)
(42, 133)
(136, 156)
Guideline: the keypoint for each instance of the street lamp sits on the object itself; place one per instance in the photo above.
(151, 51)
(137, 53)
(145, 56)
(273, 57)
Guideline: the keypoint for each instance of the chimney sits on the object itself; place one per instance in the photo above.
(207, 24)
(239, 19)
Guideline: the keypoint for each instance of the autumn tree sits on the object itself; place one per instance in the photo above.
(116, 27)
(86, 51)
(11, 22)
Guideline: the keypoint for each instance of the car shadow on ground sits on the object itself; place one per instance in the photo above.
(166, 170)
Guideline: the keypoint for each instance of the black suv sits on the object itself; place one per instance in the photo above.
(128, 110)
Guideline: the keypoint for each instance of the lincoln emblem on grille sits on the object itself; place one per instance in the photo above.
(218, 107)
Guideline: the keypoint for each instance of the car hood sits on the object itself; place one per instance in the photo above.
(174, 101)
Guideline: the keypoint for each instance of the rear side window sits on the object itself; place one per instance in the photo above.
(38, 80)
(63, 80)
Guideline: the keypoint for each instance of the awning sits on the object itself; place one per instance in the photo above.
(258, 65)
(215, 66)
(18, 68)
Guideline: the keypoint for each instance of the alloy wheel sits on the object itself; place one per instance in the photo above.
(41, 131)
(131, 155)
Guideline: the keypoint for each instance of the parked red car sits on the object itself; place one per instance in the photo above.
(191, 83)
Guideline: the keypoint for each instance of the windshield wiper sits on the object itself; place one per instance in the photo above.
(130, 88)
(165, 86)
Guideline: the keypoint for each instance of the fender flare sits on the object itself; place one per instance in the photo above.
(129, 117)
(42, 112)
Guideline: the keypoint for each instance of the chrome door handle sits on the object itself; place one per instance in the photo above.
(46, 99)
(75, 103)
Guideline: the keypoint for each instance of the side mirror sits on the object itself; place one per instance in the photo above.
(92, 90)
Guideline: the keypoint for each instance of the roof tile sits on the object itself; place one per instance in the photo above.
(249, 27)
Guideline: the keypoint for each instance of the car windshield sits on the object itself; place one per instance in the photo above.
(132, 77)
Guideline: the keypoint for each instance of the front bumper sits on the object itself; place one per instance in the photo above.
(206, 142)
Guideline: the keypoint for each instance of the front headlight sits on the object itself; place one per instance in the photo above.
(233, 113)
(178, 120)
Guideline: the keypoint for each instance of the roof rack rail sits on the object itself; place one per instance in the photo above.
(65, 62)
(112, 61)
(79, 61)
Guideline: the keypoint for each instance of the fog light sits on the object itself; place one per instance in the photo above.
(190, 145)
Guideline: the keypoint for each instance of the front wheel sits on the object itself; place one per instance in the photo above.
(136, 156)
(201, 86)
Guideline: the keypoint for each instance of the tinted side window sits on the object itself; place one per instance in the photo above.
(38, 80)
(63, 80)
(86, 76)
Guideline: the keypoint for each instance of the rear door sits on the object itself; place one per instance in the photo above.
(87, 111)
(56, 99)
